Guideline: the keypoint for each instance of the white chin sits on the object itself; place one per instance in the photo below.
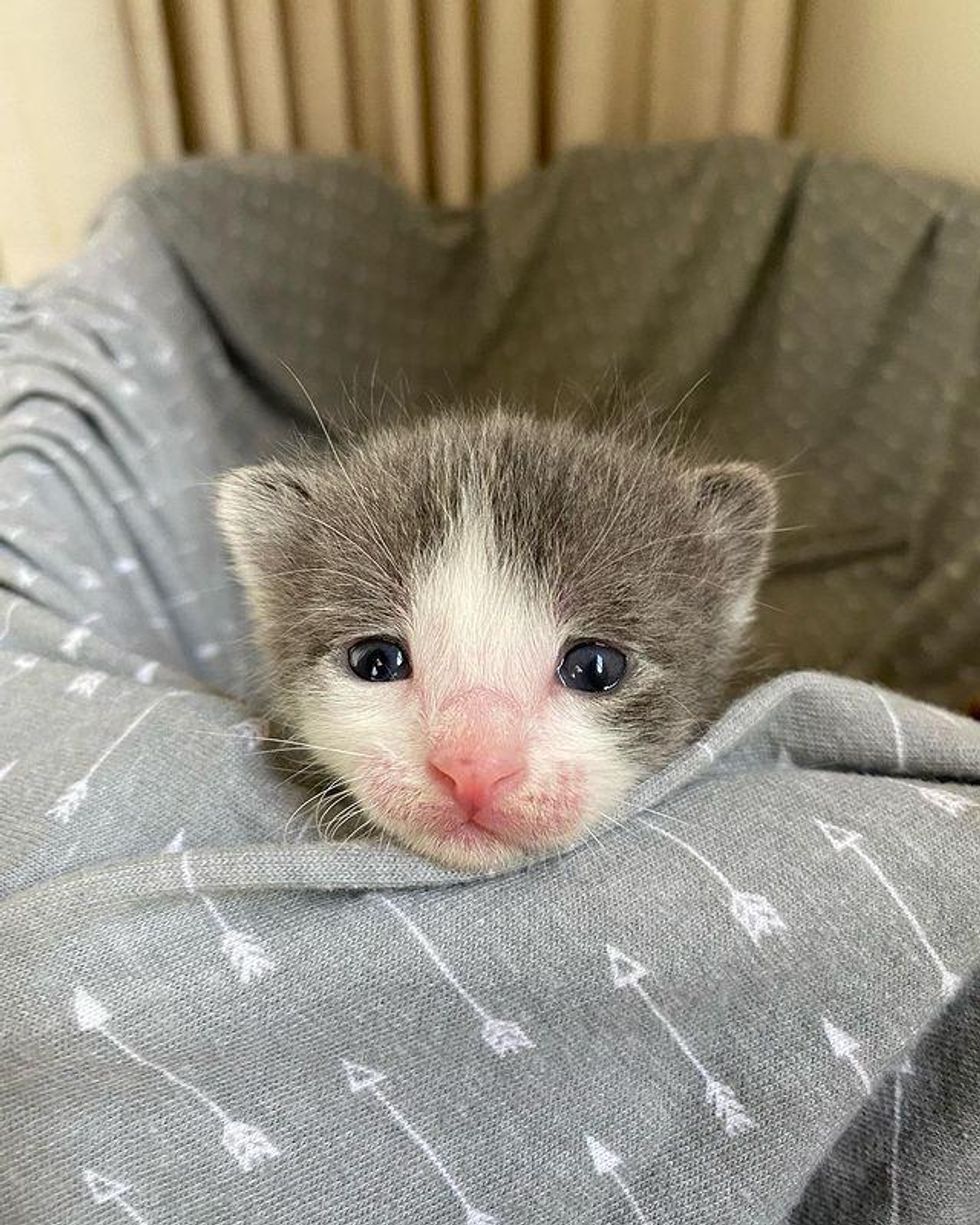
(466, 849)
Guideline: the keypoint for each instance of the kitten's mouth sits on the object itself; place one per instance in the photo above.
(471, 834)
(486, 839)
(469, 829)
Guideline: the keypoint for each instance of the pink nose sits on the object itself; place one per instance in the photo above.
(476, 779)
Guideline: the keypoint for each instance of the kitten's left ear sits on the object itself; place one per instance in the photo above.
(738, 506)
(257, 508)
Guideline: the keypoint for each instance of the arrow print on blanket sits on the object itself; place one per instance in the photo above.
(21, 664)
(627, 973)
(503, 1037)
(85, 684)
(361, 1079)
(73, 641)
(904, 1069)
(753, 911)
(946, 801)
(845, 1047)
(8, 615)
(243, 950)
(606, 1162)
(897, 729)
(243, 1142)
(69, 802)
(849, 840)
(107, 1191)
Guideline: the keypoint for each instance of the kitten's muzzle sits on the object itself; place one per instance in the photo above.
(477, 780)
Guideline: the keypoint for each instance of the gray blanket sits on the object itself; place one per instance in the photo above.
(756, 999)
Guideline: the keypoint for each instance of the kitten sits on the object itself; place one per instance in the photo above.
(488, 628)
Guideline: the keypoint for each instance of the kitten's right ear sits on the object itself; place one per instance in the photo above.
(737, 503)
(256, 508)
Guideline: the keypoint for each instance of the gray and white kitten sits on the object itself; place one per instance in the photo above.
(488, 628)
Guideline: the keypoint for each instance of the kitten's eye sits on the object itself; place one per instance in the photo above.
(379, 659)
(592, 667)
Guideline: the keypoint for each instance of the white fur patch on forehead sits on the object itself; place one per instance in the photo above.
(477, 622)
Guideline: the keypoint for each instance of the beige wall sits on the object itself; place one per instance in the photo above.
(453, 97)
(456, 97)
(897, 80)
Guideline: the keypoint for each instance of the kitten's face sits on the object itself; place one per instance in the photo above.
(490, 630)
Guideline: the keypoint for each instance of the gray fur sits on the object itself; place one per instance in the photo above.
(633, 547)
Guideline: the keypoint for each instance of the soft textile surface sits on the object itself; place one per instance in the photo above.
(755, 999)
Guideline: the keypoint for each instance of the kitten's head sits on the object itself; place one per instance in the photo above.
(490, 628)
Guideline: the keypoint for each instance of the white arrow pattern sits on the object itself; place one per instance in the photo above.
(605, 1161)
(85, 684)
(897, 729)
(247, 956)
(948, 802)
(87, 579)
(503, 1037)
(244, 1143)
(107, 1191)
(176, 843)
(25, 577)
(8, 616)
(361, 1079)
(251, 733)
(845, 1047)
(894, 1216)
(69, 802)
(849, 840)
(72, 642)
(727, 1108)
(22, 664)
(753, 911)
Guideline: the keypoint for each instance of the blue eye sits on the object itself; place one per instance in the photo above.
(379, 659)
(591, 667)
